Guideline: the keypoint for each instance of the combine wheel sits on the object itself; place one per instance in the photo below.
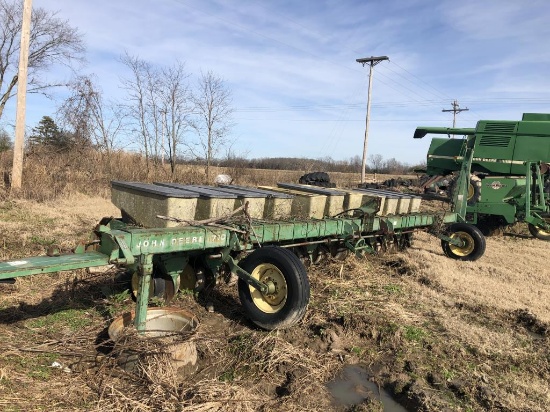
(538, 232)
(474, 189)
(283, 270)
(473, 246)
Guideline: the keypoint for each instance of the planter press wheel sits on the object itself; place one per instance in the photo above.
(473, 246)
(284, 271)
(538, 232)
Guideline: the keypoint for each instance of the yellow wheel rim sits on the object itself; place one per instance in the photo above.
(467, 247)
(269, 302)
(542, 231)
(471, 191)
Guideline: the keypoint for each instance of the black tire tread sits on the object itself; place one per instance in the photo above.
(315, 177)
(475, 233)
(535, 231)
(297, 299)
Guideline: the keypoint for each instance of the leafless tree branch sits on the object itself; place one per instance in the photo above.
(52, 41)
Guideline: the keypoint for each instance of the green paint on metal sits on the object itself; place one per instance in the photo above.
(48, 264)
(145, 272)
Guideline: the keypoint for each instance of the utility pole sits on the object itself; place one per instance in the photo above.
(371, 61)
(456, 109)
(17, 168)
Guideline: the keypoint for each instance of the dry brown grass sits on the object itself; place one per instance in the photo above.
(48, 175)
(512, 275)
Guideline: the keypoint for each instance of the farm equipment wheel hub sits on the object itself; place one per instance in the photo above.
(275, 298)
(468, 244)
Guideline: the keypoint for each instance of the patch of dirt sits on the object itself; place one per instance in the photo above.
(529, 321)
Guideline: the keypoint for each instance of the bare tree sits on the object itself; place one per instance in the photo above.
(394, 166)
(142, 106)
(355, 162)
(159, 105)
(5, 141)
(213, 123)
(90, 118)
(52, 41)
(176, 107)
(377, 162)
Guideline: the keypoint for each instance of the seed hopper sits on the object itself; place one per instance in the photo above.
(268, 256)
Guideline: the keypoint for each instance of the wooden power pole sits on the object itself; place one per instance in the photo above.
(371, 61)
(18, 146)
(456, 109)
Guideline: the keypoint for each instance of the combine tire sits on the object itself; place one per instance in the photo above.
(315, 178)
(474, 242)
(287, 305)
(474, 189)
(538, 232)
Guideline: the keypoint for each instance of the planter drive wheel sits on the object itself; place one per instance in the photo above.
(287, 305)
(474, 242)
(538, 232)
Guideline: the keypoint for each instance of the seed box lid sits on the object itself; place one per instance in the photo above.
(208, 192)
(318, 190)
(256, 192)
(153, 189)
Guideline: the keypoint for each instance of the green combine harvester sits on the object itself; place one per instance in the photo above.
(268, 256)
(499, 172)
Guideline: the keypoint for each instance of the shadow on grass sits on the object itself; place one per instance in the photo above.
(78, 294)
(108, 295)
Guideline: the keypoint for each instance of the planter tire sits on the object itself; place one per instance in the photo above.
(287, 305)
(474, 242)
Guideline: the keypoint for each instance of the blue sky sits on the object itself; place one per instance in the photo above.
(297, 89)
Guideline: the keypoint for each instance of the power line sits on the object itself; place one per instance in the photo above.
(422, 81)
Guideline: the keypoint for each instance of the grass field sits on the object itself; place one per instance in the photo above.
(434, 333)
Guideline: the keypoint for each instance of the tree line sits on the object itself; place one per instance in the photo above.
(375, 164)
